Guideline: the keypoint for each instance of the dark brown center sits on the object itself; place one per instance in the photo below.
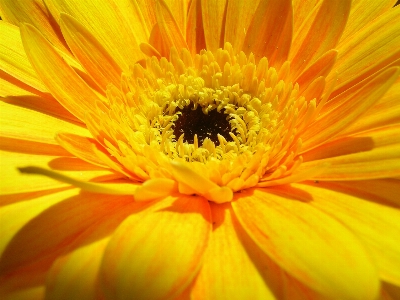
(194, 121)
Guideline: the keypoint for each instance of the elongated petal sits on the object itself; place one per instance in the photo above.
(299, 238)
(33, 12)
(213, 13)
(68, 220)
(330, 124)
(13, 59)
(12, 182)
(238, 18)
(81, 147)
(93, 57)
(323, 35)
(195, 32)
(116, 37)
(270, 33)
(377, 225)
(26, 124)
(65, 85)
(364, 11)
(169, 29)
(74, 276)
(368, 51)
(163, 252)
(236, 260)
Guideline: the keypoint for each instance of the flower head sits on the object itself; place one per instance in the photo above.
(200, 149)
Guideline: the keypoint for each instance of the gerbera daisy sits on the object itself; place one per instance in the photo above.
(199, 149)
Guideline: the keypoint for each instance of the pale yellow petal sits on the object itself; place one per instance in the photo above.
(377, 225)
(289, 230)
(163, 252)
(13, 59)
(65, 85)
(90, 53)
(108, 25)
(237, 260)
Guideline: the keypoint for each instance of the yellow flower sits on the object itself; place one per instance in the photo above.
(200, 149)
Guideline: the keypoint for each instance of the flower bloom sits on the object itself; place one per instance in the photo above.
(200, 149)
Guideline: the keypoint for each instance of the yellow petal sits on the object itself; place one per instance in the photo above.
(270, 33)
(232, 263)
(323, 34)
(213, 15)
(163, 252)
(90, 53)
(169, 29)
(377, 225)
(33, 12)
(116, 37)
(30, 125)
(385, 112)
(35, 293)
(74, 276)
(330, 124)
(13, 182)
(13, 59)
(65, 85)
(364, 11)
(368, 51)
(81, 147)
(238, 18)
(55, 228)
(179, 10)
(308, 244)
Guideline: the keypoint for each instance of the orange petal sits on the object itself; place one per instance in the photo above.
(237, 260)
(90, 53)
(330, 124)
(270, 33)
(323, 34)
(289, 230)
(169, 29)
(65, 85)
(377, 225)
(213, 15)
(179, 10)
(238, 18)
(195, 32)
(107, 24)
(163, 255)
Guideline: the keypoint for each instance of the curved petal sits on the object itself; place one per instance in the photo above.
(90, 53)
(13, 182)
(116, 37)
(377, 225)
(374, 47)
(163, 252)
(27, 124)
(13, 59)
(69, 219)
(270, 32)
(308, 244)
(195, 32)
(65, 85)
(237, 260)
(34, 12)
(213, 15)
(323, 35)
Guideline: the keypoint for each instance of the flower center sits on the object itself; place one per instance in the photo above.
(192, 121)
(221, 115)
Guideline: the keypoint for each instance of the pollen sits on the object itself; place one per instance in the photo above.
(221, 115)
